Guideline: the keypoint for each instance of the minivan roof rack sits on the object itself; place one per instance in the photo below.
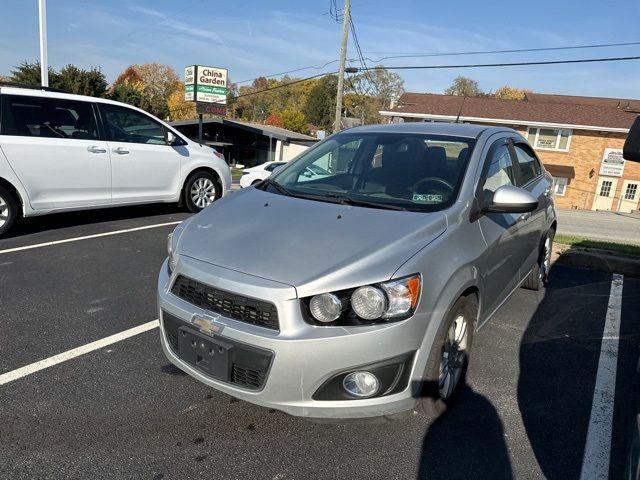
(32, 87)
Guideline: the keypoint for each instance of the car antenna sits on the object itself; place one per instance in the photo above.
(460, 111)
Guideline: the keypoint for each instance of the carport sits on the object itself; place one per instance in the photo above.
(246, 143)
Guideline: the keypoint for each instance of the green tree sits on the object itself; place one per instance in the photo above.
(135, 95)
(295, 120)
(464, 87)
(90, 82)
(29, 74)
(321, 103)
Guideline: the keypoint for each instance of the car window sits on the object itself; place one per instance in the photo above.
(273, 166)
(499, 171)
(126, 125)
(414, 171)
(48, 117)
(528, 165)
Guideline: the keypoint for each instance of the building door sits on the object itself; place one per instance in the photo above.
(629, 196)
(605, 191)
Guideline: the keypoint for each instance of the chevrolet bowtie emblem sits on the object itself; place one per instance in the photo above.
(207, 323)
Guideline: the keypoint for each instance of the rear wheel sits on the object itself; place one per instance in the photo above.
(200, 191)
(540, 272)
(8, 210)
(449, 358)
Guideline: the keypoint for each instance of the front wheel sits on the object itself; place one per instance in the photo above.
(449, 358)
(540, 271)
(200, 191)
(8, 210)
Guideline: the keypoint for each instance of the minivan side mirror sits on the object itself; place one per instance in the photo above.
(631, 149)
(171, 138)
(510, 199)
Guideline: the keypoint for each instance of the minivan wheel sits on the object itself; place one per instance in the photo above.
(449, 358)
(200, 191)
(540, 271)
(8, 210)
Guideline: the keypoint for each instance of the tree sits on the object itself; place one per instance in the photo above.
(295, 120)
(511, 93)
(275, 120)
(371, 91)
(90, 82)
(464, 87)
(321, 102)
(179, 109)
(29, 74)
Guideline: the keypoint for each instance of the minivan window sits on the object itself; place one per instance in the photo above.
(529, 165)
(400, 171)
(29, 116)
(126, 125)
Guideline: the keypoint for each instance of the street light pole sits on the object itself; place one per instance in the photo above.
(44, 67)
(337, 125)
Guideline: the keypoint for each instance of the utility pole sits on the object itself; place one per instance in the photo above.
(337, 125)
(44, 67)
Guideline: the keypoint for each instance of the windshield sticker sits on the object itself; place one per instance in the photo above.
(427, 198)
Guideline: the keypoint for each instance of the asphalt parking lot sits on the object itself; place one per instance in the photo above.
(122, 411)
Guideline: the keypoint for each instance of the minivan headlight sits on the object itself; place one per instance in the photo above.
(383, 302)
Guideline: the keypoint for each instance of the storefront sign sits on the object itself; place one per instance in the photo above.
(211, 109)
(205, 84)
(612, 162)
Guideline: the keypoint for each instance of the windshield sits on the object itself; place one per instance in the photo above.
(403, 171)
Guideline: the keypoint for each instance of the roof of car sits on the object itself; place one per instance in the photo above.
(468, 130)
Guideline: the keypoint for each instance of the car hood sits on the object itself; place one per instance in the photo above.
(311, 245)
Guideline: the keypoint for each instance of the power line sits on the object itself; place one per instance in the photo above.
(507, 64)
(486, 52)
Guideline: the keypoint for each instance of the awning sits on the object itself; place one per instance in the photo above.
(562, 171)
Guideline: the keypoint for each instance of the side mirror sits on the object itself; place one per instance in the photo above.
(171, 138)
(631, 150)
(510, 199)
(307, 174)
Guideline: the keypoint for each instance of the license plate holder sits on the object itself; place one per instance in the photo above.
(205, 353)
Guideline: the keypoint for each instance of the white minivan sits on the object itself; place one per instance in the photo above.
(63, 152)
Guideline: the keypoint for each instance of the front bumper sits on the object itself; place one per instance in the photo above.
(301, 357)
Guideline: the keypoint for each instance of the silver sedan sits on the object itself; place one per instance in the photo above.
(357, 293)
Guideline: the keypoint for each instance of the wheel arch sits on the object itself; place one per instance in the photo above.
(196, 170)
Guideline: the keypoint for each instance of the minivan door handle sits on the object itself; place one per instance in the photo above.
(96, 149)
(121, 151)
(524, 216)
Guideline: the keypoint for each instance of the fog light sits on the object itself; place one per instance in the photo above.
(361, 384)
(325, 307)
(369, 302)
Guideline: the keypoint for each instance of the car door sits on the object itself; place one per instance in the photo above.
(529, 176)
(143, 167)
(500, 268)
(53, 145)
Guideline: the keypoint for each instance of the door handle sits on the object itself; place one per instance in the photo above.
(524, 216)
(96, 149)
(121, 151)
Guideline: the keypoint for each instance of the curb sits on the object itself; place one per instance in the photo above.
(595, 259)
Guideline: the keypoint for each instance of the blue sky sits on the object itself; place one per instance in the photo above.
(258, 37)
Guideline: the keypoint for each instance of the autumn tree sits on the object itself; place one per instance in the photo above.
(464, 87)
(274, 120)
(179, 109)
(295, 120)
(369, 92)
(511, 93)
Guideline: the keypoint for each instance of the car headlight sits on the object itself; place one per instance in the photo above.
(172, 243)
(383, 302)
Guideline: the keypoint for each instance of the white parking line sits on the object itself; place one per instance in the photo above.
(86, 237)
(75, 352)
(597, 451)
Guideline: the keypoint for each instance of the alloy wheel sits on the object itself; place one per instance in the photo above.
(4, 212)
(203, 192)
(454, 357)
(546, 260)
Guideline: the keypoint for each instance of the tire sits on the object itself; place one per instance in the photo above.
(200, 191)
(540, 271)
(9, 211)
(441, 382)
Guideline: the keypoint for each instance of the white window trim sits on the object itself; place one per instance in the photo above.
(535, 140)
(564, 187)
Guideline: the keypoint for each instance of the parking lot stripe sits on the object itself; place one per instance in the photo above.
(76, 352)
(86, 237)
(597, 450)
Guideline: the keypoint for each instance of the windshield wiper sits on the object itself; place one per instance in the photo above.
(277, 186)
(365, 203)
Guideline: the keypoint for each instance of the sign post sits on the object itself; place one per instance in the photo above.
(207, 86)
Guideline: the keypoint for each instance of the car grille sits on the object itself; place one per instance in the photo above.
(234, 306)
(247, 377)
